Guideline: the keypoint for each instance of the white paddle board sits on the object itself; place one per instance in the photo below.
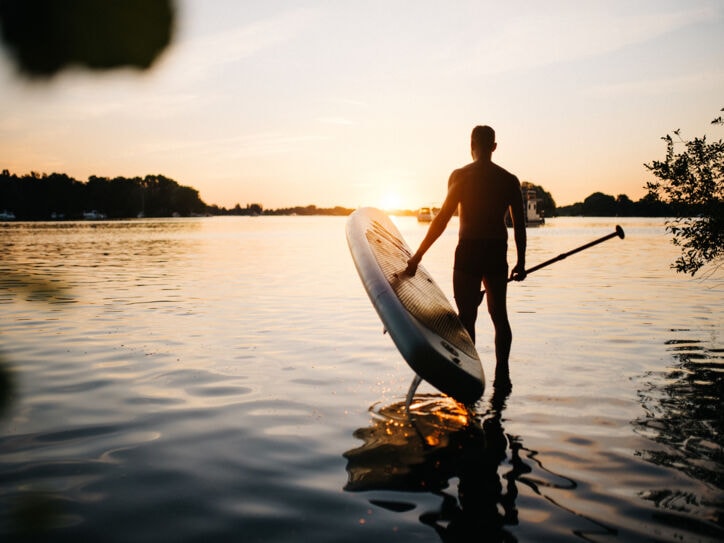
(415, 312)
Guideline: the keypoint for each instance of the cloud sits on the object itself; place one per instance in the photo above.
(336, 121)
(679, 84)
(247, 145)
(575, 32)
(204, 53)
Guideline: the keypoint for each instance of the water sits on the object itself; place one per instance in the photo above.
(226, 379)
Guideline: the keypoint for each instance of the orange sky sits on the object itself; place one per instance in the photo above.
(372, 104)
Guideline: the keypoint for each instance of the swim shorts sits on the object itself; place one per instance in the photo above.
(479, 257)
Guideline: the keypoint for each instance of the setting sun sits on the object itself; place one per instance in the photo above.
(390, 201)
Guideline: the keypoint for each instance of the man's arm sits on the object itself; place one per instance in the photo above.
(437, 226)
(517, 214)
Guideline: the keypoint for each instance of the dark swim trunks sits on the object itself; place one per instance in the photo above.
(479, 257)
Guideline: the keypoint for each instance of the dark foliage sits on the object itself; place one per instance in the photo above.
(599, 204)
(692, 182)
(57, 196)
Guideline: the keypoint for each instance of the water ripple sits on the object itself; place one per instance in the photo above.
(209, 379)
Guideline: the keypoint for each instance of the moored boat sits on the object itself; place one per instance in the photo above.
(425, 214)
(533, 212)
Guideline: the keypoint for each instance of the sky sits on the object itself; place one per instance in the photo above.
(331, 103)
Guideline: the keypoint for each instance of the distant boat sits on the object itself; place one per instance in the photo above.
(425, 214)
(6, 215)
(93, 215)
(533, 214)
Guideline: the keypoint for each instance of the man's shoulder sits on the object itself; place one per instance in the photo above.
(502, 172)
(460, 174)
(464, 170)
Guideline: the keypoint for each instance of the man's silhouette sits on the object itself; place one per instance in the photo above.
(484, 193)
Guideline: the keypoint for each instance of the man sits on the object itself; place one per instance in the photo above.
(484, 193)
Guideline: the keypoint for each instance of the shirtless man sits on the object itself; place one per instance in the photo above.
(484, 193)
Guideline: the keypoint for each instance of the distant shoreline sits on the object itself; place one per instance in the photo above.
(279, 213)
(59, 197)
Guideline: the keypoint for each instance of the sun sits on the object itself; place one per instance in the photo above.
(390, 201)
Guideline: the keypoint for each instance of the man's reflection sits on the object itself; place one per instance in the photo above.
(437, 440)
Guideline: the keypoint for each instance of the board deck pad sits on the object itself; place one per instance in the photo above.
(419, 294)
(413, 309)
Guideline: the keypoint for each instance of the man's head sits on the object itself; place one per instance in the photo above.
(482, 140)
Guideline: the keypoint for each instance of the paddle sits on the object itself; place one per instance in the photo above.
(618, 233)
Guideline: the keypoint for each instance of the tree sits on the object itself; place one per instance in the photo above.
(651, 206)
(692, 181)
(255, 209)
(599, 205)
(624, 206)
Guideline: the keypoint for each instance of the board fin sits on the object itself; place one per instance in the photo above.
(411, 393)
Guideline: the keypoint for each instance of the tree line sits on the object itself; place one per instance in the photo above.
(59, 196)
(255, 210)
(599, 204)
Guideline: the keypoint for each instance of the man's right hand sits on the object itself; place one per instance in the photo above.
(412, 264)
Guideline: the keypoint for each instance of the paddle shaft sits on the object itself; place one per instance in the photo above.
(618, 233)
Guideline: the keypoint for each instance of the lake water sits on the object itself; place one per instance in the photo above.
(227, 379)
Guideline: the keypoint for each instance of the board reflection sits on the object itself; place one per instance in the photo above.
(429, 447)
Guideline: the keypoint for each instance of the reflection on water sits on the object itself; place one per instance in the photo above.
(439, 442)
(15, 284)
(684, 417)
(42, 289)
(6, 386)
(199, 379)
(35, 512)
(52, 261)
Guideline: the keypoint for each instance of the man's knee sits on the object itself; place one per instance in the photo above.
(499, 316)
(503, 329)
(467, 313)
(497, 309)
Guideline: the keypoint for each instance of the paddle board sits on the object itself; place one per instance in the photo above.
(415, 312)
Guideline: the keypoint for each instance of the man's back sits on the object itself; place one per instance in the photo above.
(485, 191)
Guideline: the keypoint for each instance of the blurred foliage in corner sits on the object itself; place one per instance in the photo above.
(46, 36)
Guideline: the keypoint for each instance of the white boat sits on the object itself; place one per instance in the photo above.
(6, 215)
(533, 211)
(425, 214)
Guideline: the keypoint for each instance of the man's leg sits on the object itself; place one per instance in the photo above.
(496, 288)
(466, 289)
